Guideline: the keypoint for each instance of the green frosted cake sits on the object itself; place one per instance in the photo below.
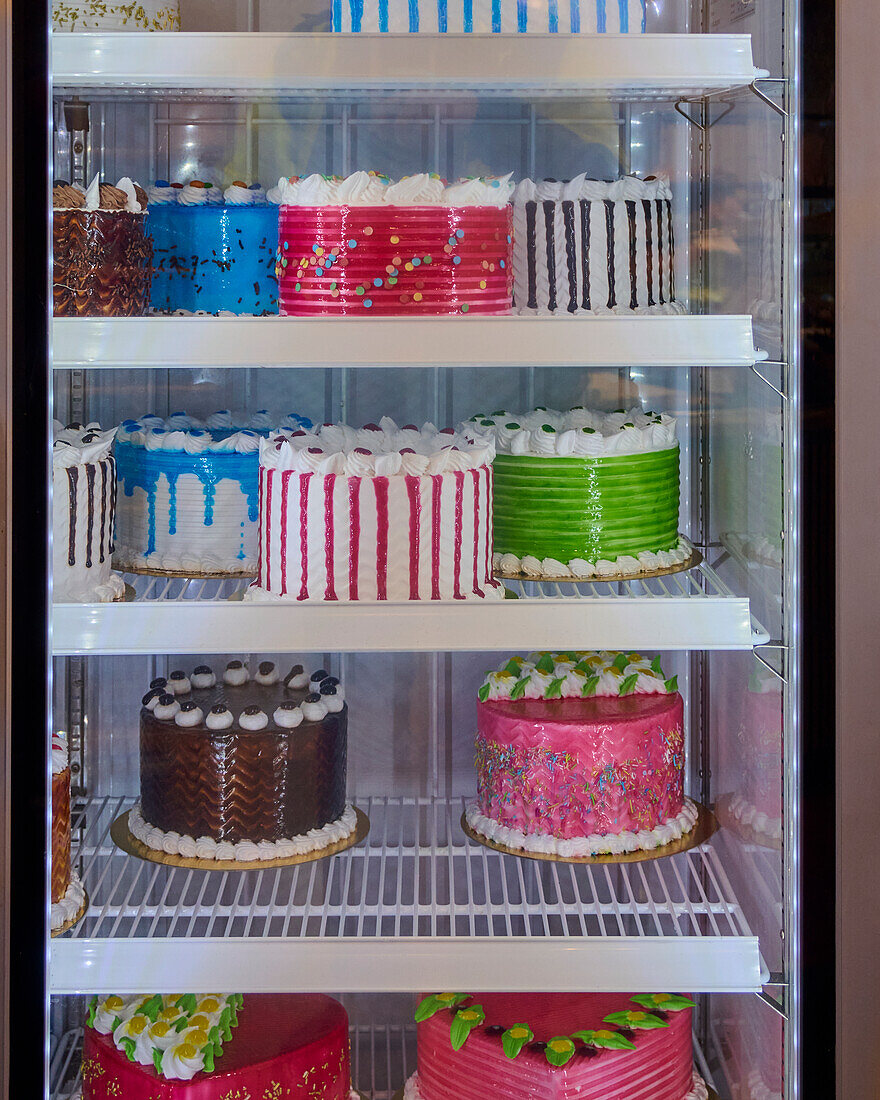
(583, 494)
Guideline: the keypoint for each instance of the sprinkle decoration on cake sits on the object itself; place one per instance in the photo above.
(216, 1046)
(366, 245)
(580, 754)
(187, 503)
(541, 1046)
(102, 256)
(585, 245)
(243, 767)
(582, 494)
(83, 509)
(375, 513)
(123, 15)
(68, 896)
(485, 17)
(213, 249)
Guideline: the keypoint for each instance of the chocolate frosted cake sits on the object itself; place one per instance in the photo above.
(243, 768)
(102, 256)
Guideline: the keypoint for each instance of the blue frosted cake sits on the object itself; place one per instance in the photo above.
(213, 250)
(187, 495)
(489, 16)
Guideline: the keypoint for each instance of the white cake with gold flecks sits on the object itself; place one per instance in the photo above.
(115, 15)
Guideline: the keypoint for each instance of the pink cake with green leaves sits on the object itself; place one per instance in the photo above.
(580, 754)
(555, 1046)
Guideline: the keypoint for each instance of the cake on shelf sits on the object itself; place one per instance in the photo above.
(375, 513)
(101, 252)
(68, 897)
(241, 766)
(187, 502)
(587, 245)
(580, 754)
(83, 507)
(365, 245)
(488, 16)
(216, 1046)
(543, 1046)
(756, 807)
(583, 494)
(115, 15)
(213, 250)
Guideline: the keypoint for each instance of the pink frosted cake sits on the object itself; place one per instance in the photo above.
(580, 754)
(551, 1046)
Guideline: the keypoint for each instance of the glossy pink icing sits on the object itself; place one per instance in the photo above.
(660, 1068)
(285, 1045)
(579, 767)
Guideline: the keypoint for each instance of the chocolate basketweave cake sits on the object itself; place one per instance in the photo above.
(242, 767)
(103, 259)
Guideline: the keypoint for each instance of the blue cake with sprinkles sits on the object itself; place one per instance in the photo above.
(187, 496)
(213, 250)
(488, 16)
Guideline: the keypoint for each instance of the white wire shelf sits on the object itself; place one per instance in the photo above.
(693, 609)
(416, 906)
(610, 66)
(145, 343)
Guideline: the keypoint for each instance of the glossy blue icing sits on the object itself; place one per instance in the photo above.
(214, 258)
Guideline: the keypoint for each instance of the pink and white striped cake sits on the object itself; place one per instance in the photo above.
(375, 513)
(580, 754)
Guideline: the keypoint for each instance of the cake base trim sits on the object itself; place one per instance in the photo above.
(133, 565)
(129, 831)
(684, 556)
(70, 910)
(748, 822)
(691, 827)
(699, 1090)
(110, 591)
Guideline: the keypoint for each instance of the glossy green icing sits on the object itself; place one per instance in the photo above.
(589, 508)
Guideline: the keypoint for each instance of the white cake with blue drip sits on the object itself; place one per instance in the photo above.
(187, 502)
(488, 16)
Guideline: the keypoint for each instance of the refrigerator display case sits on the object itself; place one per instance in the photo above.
(708, 97)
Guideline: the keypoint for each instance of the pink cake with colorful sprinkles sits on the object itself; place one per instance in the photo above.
(580, 754)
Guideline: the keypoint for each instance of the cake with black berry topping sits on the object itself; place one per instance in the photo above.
(243, 767)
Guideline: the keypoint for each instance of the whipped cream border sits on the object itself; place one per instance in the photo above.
(699, 1090)
(245, 851)
(69, 448)
(181, 432)
(576, 433)
(647, 678)
(674, 828)
(374, 189)
(747, 814)
(66, 909)
(581, 187)
(579, 569)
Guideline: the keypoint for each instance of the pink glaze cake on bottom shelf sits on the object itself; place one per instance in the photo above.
(580, 754)
(216, 1047)
(555, 1046)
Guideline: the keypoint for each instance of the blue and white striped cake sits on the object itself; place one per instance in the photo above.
(488, 16)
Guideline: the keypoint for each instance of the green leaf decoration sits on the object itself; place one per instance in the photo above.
(546, 664)
(518, 689)
(554, 690)
(186, 1003)
(513, 666)
(642, 1021)
(214, 1035)
(152, 1008)
(463, 1023)
(672, 685)
(157, 1059)
(664, 1002)
(209, 1057)
(620, 662)
(627, 685)
(127, 1044)
(584, 666)
(607, 1040)
(559, 1050)
(515, 1038)
(590, 686)
(569, 655)
(93, 1008)
(436, 1003)
(117, 1020)
(483, 693)
(181, 1024)
(655, 666)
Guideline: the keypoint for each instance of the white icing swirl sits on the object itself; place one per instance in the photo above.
(582, 432)
(370, 189)
(565, 676)
(76, 446)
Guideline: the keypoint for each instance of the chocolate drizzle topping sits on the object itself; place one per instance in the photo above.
(531, 252)
(671, 249)
(549, 219)
(103, 509)
(570, 253)
(72, 479)
(649, 248)
(660, 246)
(586, 206)
(631, 221)
(90, 512)
(609, 234)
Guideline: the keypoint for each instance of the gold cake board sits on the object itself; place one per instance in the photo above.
(727, 819)
(704, 827)
(186, 574)
(123, 838)
(713, 1095)
(689, 563)
(75, 919)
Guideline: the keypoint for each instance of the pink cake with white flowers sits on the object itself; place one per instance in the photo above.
(580, 754)
(555, 1046)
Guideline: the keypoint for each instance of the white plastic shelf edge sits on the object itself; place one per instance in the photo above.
(150, 342)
